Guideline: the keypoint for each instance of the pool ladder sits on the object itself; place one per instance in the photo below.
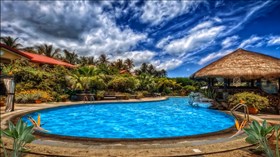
(241, 125)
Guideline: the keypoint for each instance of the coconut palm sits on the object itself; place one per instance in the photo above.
(91, 60)
(11, 42)
(144, 68)
(83, 60)
(129, 64)
(151, 69)
(48, 50)
(70, 57)
(163, 73)
(103, 59)
(119, 64)
(29, 49)
(160, 73)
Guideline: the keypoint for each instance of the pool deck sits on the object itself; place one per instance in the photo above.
(214, 145)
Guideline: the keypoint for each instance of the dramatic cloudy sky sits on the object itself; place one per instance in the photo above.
(180, 36)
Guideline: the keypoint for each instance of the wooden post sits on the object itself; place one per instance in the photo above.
(228, 82)
(225, 83)
(259, 83)
(252, 83)
(209, 82)
(278, 85)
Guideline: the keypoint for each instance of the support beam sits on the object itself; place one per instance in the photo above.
(278, 85)
(252, 83)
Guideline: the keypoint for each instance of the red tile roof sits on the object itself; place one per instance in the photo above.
(14, 50)
(37, 58)
(44, 59)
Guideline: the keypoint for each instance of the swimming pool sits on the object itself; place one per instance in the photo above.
(133, 120)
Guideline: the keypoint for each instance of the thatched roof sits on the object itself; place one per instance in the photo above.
(243, 64)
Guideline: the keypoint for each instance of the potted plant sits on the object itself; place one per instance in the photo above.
(2, 101)
(37, 98)
(253, 101)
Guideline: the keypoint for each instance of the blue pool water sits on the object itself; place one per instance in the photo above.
(160, 119)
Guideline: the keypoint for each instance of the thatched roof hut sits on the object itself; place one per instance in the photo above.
(242, 64)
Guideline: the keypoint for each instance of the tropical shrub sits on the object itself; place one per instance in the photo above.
(21, 135)
(187, 89)
(184, 81)
(123, 84)
(210, 93)
(250, 99)
(100, 95)
(29, 96)
(166, 86)
(146, 82)
(28, 76)
(63, 97)
(139, 95)
(97, 83)
(146, 93)
(258, 134)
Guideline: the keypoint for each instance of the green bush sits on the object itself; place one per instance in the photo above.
(166, 86)
(123, 84)
(29, 76)
(100, 95)
(139, 95)
(97, 83)
(187, 89)
(210, 93)
(29, 96)
(250, 99)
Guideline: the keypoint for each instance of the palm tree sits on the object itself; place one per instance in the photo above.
(151, 69)
(144, 68)
(70, 57)
(119, 64)
(162, 73)
(103, 59)
(29, 49)
(83, 60)
(48, 50)
(11, 42)
(129, 64)
(91, 60)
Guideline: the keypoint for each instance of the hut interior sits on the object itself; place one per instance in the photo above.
(241, 71)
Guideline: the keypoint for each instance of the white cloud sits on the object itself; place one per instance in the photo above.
(251, 42)
(157, 12)
(138, 57)
(194, 41)
(167, 64)
(213, 56)
(163, 42)
(201, 26)
(274, 40)
(109, 42)
(230, 41)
